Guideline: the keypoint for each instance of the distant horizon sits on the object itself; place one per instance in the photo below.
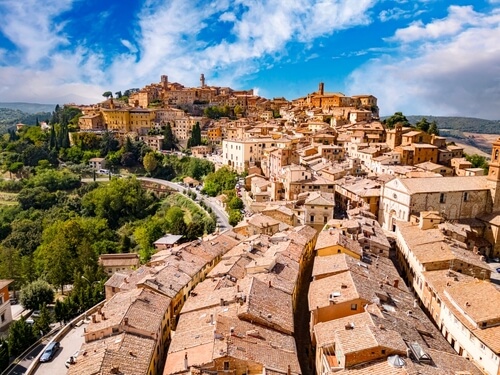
(381, 116)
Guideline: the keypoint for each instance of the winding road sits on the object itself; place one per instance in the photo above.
(222, 217)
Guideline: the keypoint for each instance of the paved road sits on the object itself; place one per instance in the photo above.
(222, 218)
(69, 345)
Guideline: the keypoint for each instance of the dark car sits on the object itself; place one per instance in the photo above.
(50, 351)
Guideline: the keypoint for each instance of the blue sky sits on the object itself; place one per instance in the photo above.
(417, 56)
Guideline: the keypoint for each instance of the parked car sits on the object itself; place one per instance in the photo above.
(72, 360)
(13, 301)
(30, 321)
(35, 314)
(498, 269)
(50, 351)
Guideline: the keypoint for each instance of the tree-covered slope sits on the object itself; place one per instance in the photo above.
(462, 124)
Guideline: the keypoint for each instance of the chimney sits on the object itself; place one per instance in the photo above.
(238, 288)
(212, 319)
(125, 321)
(269, 283)
(415, 304)
(93, 318)
(222, 301)
(321, 89)
(396, 283)
(186, 361)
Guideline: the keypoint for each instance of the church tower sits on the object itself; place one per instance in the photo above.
(395, 136)
(494, 175)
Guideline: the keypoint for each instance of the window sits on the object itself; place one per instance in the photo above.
(312, 218)
(226, 366)
(466, 196)
(354, 306)
(442, 198)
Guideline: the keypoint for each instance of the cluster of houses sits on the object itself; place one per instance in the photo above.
(366, 252)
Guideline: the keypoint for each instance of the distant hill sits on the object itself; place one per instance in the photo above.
(462, 124)
(9, 117)
(29, 107)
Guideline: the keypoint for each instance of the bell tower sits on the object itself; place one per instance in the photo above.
(494, 175)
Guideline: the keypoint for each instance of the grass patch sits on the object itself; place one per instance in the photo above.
(191, 210)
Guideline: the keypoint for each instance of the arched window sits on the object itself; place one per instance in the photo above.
(496, 154)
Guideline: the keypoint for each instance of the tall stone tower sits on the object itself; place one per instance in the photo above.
(164, 81)
(395, 136)
(494, 175)
(321, 88)
(202, 80)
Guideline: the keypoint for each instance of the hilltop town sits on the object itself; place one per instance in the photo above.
(369, 247)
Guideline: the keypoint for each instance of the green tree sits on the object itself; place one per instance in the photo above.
(53, 139)
(175, 220)
(396, 118)
(25, 236)
(478, 161)
(433, 128)
(169, 140)
(119, 201)
(238, 110)
(107, 94)
(35, 294)
(146, 234)
(235, 203)
(423, 125)
(60, 311)
(4, 354)
(42, 324)
(150, 162)
(194, 230)
(235, 217)
(38, 197)
(108, 144)
(222, 179)
(20, 337)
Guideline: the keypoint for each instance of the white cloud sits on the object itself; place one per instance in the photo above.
(227, 17)
(440, 70)
(167, 39)
(459, 17)
(31, 27)
(129, 46)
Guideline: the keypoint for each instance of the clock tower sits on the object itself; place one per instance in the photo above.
(494, 175)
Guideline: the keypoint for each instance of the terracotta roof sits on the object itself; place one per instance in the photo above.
(125, 259)
(443, 184)
(333, 237)
(126, 353)
(139, 308)
(268, 306)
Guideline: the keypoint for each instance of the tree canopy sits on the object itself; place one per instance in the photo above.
(36, 294)
(396, 118)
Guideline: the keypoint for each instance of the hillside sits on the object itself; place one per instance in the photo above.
(462, 124)
(474, 134)
(29, 107)
(10, 117)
